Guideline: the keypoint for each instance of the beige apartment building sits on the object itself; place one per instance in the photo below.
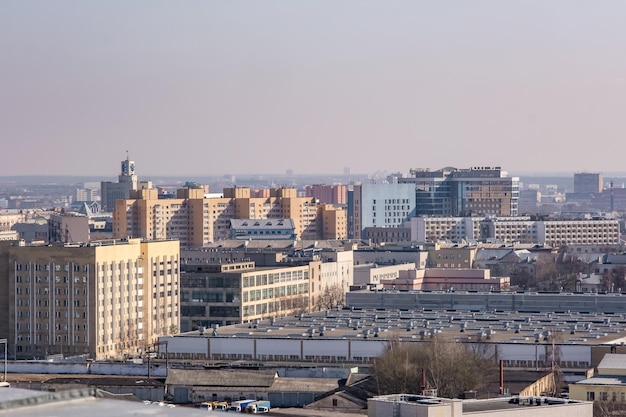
(102, 299)
(196, 220)
(334, 222)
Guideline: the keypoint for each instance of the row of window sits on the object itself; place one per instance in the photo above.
(604, 396)
(48, 267)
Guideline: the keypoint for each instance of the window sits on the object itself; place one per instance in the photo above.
(604, 396)
(334, 402)
(591, 396)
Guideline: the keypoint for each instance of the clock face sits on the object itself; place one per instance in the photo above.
(132, 167)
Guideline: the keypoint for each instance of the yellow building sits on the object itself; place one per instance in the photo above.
(458, 256)
(102, 299)
(334, 222)
(196, 221)
(608, 384)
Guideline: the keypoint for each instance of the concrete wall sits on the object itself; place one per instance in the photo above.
(105, 368)
(507, 301)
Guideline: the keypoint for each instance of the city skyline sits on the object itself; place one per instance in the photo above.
(210, 88)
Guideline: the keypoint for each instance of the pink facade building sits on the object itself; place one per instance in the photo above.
(328, 194)
(461, 279)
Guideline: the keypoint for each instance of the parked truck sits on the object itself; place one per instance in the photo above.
(240, 405)
(258, 407)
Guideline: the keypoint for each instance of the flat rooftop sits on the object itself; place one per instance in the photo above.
(470, 406)
(461, 325)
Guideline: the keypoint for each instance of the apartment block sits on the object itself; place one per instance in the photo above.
(196, 220)
(102, 299)
(333, 222)
(386, 205)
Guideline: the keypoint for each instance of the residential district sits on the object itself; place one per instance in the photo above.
(309, 299)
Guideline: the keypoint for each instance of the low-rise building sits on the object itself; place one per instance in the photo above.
(607, 384)
(405, 405)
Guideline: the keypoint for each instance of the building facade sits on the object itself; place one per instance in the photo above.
(102, 299)
(196, 219)
(588, 182)
(237, 292)
(477, 191)
(387, 205)
(516, 230)
(127, 181)
(328, 194)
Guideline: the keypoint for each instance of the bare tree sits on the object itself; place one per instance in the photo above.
(449, 367)
(333, 296)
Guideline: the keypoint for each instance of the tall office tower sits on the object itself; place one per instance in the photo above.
(102, 299)
(127, 181)
(327, 194)
(380, 205)
(197, 221)
(476, 191)
(112, 191)
(587, 182)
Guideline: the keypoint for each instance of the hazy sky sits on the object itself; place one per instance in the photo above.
(261, 86)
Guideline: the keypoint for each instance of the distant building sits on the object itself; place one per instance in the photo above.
(382, 235)
(68, 228)
(451, 279)
(103, 299)
(262, 229)
(328, 194)
(332, 222)
(127, 181)
(516, 229)
(380, 205)
(586, 182)
(196, 219)
(476, 191)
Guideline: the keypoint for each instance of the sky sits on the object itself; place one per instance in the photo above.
(213, 87)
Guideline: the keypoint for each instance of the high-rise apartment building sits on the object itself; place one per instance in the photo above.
(379, 205)
(476, 191)
(102, 299)
(197, 220)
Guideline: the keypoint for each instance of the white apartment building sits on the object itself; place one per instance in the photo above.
(516, 229)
